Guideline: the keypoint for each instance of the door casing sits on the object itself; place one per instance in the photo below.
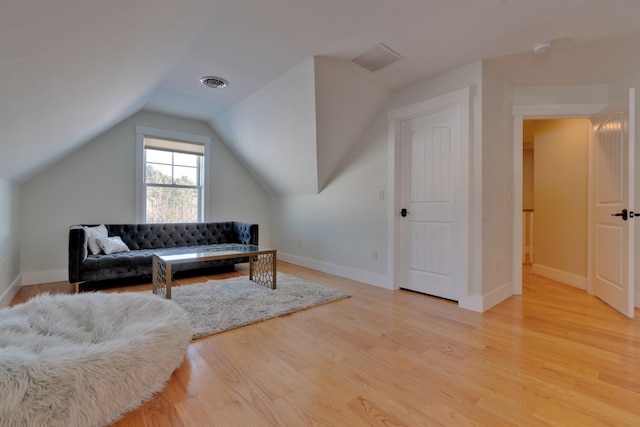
(459, 98)
(520, 113)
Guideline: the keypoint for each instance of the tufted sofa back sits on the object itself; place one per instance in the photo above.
(156, 236)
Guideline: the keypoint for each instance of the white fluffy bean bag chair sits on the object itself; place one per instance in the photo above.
(84, 360)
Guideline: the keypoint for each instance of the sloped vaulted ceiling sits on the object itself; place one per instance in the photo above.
(346, 104)
(71, 70)
(295, 132)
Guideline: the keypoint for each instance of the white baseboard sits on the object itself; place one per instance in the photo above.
(50, 276)
(11, 292)
(471, 302)
(481, 304)
(560, 276)
(375, 279)
(496, 296)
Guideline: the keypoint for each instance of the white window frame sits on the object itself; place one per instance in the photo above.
(141, 132)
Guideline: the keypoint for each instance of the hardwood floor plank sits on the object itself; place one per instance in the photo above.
(192, 412)
(553, 356)
(161, 412)
(373, 414)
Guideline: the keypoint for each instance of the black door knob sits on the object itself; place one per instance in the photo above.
(404, 212)
(623, 214)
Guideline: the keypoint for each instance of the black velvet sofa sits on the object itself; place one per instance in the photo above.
(142, 240)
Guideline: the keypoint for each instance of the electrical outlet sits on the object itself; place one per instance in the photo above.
(4, 266)
(375, 255)
(381, 195)
(299, 243)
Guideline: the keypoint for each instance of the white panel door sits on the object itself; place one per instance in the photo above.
(430, 147)
(612, 263)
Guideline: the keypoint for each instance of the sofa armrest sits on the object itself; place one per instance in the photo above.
(247, 233)
(77, 251)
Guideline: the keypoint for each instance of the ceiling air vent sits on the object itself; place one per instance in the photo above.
(214, 82)
(377, 57)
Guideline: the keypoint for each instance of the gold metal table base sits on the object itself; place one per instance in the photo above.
(262, 266)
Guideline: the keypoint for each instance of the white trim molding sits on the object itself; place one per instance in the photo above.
(483, 303)
(141, 132)
(520, 113)
(7, 295)
(560, 276)
(555, 111)
(459, 99)
(379, 280)
(49, 276)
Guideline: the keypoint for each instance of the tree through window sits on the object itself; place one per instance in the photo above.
(173, 180)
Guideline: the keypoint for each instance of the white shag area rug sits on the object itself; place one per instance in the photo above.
(84, 360)
(219, 305)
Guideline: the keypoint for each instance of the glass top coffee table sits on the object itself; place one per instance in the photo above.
(262, 263)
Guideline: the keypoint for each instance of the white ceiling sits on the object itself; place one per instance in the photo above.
(69, 70)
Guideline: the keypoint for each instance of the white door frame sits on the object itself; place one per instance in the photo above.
(458, 98)
(521, 112)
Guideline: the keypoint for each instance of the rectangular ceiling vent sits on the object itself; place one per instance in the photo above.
(377, 57)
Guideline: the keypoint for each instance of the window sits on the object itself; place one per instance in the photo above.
(172, 176)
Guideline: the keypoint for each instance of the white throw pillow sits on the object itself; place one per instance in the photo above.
(112, 245)
(93, 234)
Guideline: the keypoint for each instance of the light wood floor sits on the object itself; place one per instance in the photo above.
(555, 356)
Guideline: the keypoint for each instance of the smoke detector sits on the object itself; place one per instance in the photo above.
(542, 47)
(214, 82)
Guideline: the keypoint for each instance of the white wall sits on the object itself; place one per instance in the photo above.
(295, 132)
(96, 184)
(341, 227)
(337, 230)
(274, 132)
(497, 189)
(561, 199)
(9, 241)
(527, 179)
(549, 95)
(346, 103)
